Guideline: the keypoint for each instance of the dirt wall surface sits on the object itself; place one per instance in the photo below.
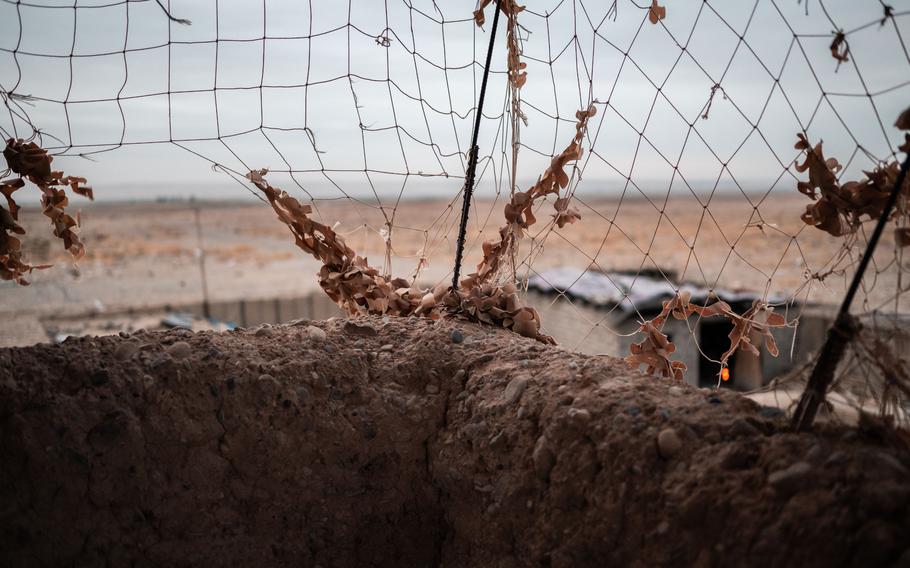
(413, 443)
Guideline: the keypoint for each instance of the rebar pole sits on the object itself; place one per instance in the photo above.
(845, 326)
(472, 155)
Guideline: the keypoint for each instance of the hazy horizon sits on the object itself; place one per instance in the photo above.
(308, 88)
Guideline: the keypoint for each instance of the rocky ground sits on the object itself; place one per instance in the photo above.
(412, 443)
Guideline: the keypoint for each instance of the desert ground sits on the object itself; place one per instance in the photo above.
(146, 255)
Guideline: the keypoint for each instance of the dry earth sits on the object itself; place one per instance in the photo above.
(144, 254)
(412, 443)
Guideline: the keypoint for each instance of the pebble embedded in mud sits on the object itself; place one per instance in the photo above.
(543, 458)
(498, 441)
(579, 416)
(457, 336)
(815, 454)
(160, 361)
(361, 330)
(180, 350)
(791, 479)
(125, 350)
(738, 456)
(668, 443)
(315, 333)
(477, 429)
(882, 462)
(514, 390)
(676, 391)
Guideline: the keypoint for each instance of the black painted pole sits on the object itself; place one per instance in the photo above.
(845, 326)
(472, 156)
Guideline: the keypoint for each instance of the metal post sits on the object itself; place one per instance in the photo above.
(472, 155)
(845, 326)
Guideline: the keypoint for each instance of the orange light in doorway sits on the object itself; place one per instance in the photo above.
(725, 374)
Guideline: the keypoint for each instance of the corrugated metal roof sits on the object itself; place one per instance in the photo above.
(629, 293)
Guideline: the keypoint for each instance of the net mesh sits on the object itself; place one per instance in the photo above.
(688, 175)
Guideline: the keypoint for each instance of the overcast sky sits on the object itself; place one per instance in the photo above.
(326, 96)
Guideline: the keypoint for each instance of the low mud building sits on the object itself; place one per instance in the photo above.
(601, 312)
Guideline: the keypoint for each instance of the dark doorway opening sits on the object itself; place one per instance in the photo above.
(714, 341)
